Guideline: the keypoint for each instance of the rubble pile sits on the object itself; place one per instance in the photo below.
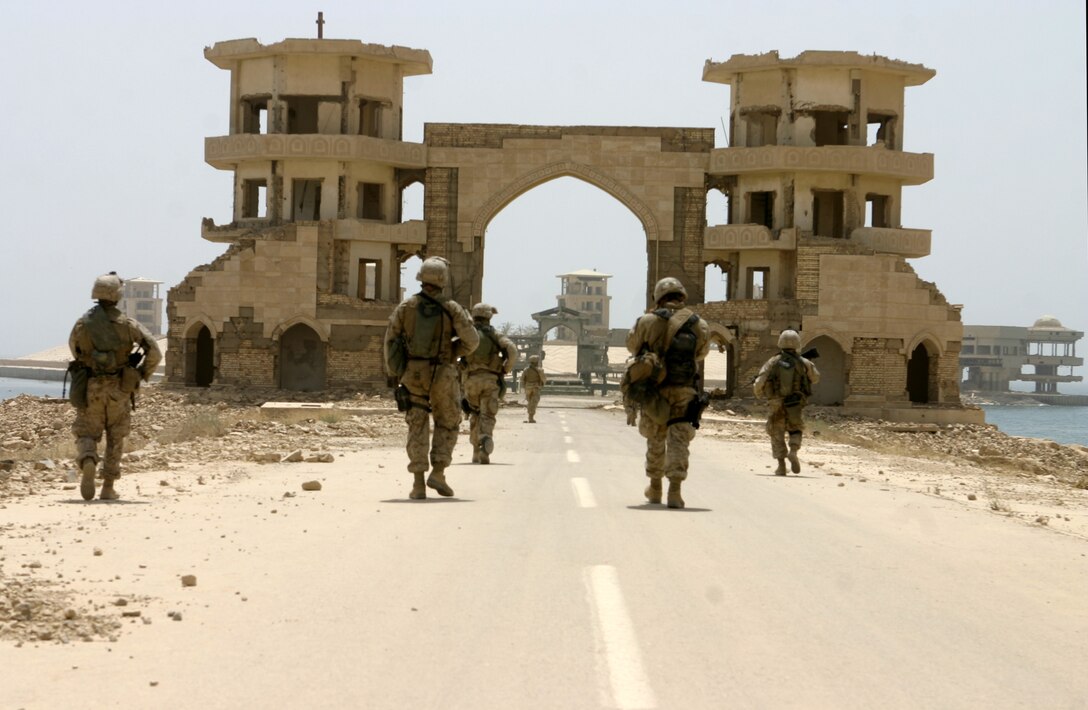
(33, 609)
(176, 427)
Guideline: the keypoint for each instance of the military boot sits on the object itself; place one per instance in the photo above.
(795, 463)
(781, 470)
(653, 491)
(437, 481)
(487, 444)
(419, 491)
(86, 483)
(107, 492)
(674, 499)
(475, 454)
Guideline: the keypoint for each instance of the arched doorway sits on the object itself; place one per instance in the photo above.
(921, 375)
(302, 359)
(831, 389)
(204, 364)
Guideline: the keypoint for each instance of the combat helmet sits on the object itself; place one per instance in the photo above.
(107, 287)
(435, 271)
(789, 340)
(484, 311)
(666, 286)
(534, 359)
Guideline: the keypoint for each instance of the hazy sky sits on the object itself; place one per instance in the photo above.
(105, 107)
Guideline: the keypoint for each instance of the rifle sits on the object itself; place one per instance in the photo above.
(811, 354)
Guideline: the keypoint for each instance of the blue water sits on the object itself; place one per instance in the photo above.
(1065, 425)
(13, 387)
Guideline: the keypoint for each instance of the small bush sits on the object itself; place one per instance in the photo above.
(195, 426)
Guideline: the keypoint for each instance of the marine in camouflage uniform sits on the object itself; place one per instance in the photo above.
(532, 382)
(681, 341)
(431, 377)
(485, 369)
(786, 381)
(104, 383)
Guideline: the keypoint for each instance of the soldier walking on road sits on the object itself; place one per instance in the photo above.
(112, 354)
(533, 381)
(786, 382)
(485, 384)
(426, 334)
(680, 340)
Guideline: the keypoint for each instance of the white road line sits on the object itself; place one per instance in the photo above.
(583, 493)
(564, 428)
(617, 642)
(568, 439)
(573, 457)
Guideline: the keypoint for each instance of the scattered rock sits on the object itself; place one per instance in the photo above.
(188, 580)
(311, 486)
(294, 457)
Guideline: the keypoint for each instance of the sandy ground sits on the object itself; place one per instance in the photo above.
(96, 598)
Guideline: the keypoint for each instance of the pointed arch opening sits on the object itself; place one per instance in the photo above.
(566, 243)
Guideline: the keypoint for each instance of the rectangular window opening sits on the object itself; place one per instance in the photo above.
(827, 213)
(370, 118)
(880, 130)
(255, 115)
(757, 282)
(370, 274)
(831, 127)
(306, 200)
(370, 200)
(254, 199)
(302, 114)
(876, 210)
(761, 208)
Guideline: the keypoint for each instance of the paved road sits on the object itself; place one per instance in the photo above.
(548, 583)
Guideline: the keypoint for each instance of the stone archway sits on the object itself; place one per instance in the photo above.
(301, 359)
(922, 369)
(831, 363)
(199, 348)
(657, 173)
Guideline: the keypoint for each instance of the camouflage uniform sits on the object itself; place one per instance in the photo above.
(784, 420)
(667, 445)
(433, 384)
(486, 366)
(532, 381)
(100, 342)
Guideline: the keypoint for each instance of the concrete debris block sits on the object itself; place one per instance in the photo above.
(320, 458)
(311, 486)
(98, 552)
(188, 580)
(266, 458)
(44, 465)
(294, 457)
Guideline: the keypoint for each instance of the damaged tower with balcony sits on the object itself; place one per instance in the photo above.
(301, 296)
(814, 179)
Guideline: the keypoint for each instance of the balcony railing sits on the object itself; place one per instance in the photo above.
(911, 243)
(740, 237)
(910, 168)
(224, 152)
(413, 231)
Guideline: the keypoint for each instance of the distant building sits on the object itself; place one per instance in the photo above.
(994, 355)
(585, 291)
(140, 300)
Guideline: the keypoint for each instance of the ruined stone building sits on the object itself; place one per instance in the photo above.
(814, 241)
(586, 291)
(995, 355)
(140, 299)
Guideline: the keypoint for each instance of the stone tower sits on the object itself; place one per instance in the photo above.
(814, 177)
(316, 237)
